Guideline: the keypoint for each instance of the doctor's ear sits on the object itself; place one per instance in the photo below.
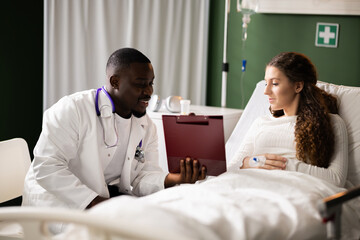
(299, 86)
(114, 81)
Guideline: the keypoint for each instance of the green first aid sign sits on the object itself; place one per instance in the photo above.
(327, 35)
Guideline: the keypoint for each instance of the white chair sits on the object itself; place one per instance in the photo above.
(14, 164)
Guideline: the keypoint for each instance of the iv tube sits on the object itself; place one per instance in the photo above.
(247, 8)
(246, 21)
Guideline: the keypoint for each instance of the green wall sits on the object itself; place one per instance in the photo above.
(270, 34)
(21, 70)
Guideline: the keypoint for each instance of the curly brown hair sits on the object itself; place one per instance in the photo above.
(314, 136)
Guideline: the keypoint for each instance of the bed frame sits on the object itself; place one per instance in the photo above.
(330, 211)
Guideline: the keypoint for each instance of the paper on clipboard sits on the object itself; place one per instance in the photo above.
(197, 136)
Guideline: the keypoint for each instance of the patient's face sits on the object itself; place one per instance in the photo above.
(281, 92)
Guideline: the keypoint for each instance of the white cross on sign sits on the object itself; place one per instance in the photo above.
(327, 35)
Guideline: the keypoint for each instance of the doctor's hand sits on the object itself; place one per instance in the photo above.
(189, 173)
(272, 162)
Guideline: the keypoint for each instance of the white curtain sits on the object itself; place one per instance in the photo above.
(80, 35)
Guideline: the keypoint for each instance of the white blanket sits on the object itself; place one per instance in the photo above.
(255, 204)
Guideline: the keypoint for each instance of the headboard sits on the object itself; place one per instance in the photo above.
(349, 110)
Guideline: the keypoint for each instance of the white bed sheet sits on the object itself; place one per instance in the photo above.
(254, 204)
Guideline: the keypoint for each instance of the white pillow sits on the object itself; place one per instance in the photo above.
(349, 110)
(257, 106)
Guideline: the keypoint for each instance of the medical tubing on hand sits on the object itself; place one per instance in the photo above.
(257, 161)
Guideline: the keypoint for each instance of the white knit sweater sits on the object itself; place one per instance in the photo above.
(276, 136)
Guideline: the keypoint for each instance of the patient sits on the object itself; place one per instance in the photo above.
(304, 133)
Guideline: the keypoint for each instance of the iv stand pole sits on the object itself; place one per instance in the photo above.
(225, 65)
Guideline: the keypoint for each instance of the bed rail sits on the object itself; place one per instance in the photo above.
(34, 222)
(330, 210)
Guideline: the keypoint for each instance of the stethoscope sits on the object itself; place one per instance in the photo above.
(139, 154)
(98, 114)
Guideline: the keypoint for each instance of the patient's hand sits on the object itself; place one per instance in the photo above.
(189, 173)
(272, 162)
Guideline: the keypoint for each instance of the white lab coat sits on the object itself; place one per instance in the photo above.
(70, 155)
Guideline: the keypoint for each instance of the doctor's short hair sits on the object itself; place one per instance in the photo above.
(122, 58)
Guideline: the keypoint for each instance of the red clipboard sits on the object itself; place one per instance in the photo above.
(197, 136)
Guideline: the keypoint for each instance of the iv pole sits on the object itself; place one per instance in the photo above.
(247, 7)
(225, 65)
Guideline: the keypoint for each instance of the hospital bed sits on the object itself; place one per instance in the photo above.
(256, 204)
(348, 101)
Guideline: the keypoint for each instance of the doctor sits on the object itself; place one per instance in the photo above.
(100, 143)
